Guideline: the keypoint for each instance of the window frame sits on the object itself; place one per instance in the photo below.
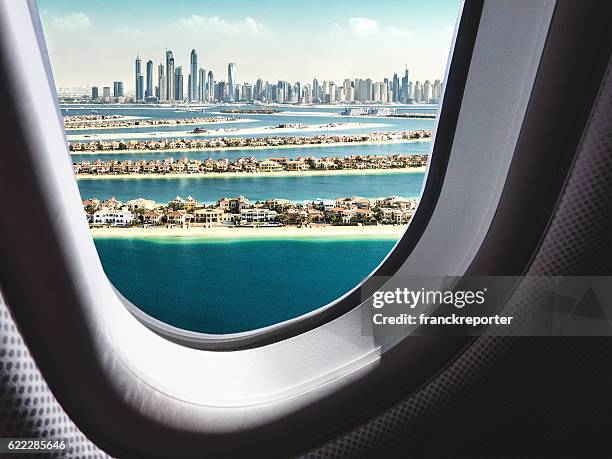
(120, 369)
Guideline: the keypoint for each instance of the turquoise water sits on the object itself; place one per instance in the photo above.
(304, 115)
(229, 286)
(226, 286)
(256, 188)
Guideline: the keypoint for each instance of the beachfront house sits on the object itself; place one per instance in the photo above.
(140, 204)
(395, 215)
(324, 204)
(258, 215)
(233, 205)
(111, 203)
(177, 218)
(91, 205)
(112, 217)
(152, 217)
(270, 166)
(209, 217)
(316, 216)
(297, 166)
(353, 201)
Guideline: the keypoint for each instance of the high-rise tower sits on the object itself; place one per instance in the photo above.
(231, 78)
(211, 87)
(178, 83)
(404, 93)
(193, 76)
(161, 82)
(139, 79)
(150, 91)
(169, 75)
(201, 96)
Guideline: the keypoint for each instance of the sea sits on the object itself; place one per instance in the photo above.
(221, 286)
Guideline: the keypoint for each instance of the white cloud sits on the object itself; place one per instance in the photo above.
(72, 21)
(366, 27)
(248, 25)
(363, 26)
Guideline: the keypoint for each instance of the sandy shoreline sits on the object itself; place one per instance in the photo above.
(101, 128)
(225, 132)
(267, 147)
(225, 175)
(285, 232)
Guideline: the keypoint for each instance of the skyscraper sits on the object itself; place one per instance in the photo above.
(437, 90)
(395, 88)
(95, 93)
(178, 83)
(315, 90)
(139, 79)
(169, 75)
(427, 95)
(231, 76)
(161, 83)
(201, 85)
(417, 91)
(211, 87)
(258, 91)
(404, 93)
(118, 89)
(106, 92)
(149, 92)
(193, 76)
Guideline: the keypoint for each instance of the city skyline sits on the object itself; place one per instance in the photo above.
(346, 38)
(202, 87)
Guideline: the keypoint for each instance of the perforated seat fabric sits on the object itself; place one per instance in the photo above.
(27, 407)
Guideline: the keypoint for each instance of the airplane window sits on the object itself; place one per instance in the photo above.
(241, 166)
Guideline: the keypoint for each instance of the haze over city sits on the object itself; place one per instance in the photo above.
(328, 41)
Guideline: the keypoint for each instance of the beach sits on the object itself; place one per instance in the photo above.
(226, 175)
(262, 147)
(145, 126)
(284, 232)
(229, 131)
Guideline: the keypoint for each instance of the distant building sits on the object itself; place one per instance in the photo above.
(404, 92)
(231, 81)
(161, 83)
(201, 85)
(427, 91)
(106, 92)
(139, 79)
(178, 83)
(193, 76)
(210, 87)
(169, 76)
(95, 94)
(118, 89)
(149, 92)
(417, 92)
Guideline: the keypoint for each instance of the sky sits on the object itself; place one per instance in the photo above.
(95, 42)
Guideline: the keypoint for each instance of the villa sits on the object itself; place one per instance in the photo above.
(257, 215)
(152, 217)
(112, 217)
(140, 204)
(209, 217)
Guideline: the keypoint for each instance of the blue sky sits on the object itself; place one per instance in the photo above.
(94, 42)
